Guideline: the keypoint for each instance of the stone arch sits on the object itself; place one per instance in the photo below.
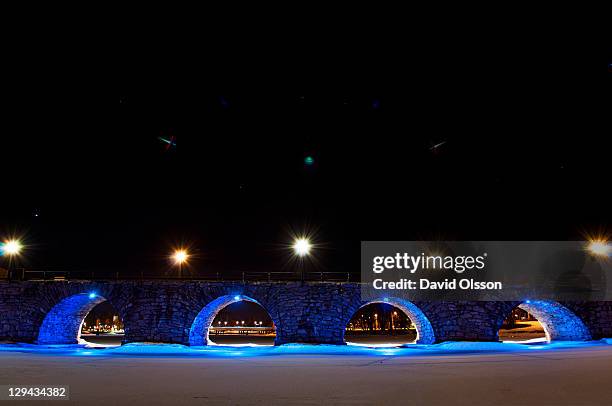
(425, 331)
(62, 323)
(559, 323)
(198, 333)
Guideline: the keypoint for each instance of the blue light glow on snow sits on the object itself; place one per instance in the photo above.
(177, 350)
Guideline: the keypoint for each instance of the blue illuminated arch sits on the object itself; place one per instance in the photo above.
(559, 323)
(62, 324)
(425, 331)
(198, 333)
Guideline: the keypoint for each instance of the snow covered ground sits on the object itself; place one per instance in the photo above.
(449, 373)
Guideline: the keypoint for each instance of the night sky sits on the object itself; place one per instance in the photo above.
(521, 155)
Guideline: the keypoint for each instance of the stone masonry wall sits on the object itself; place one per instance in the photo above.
(311, 312)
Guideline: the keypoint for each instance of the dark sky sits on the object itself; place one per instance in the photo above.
(525, 155)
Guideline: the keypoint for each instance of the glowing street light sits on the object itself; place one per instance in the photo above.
(302, 252)
(599, 247)
(301, 247)
(11, 247)
(180, 257)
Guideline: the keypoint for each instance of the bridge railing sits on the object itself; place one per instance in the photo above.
(54, 274)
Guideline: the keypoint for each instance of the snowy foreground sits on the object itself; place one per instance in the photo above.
(448, 373)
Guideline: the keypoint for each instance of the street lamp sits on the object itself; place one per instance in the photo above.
(301, 247)
(11, 248)
(599, 247)
(179, 257)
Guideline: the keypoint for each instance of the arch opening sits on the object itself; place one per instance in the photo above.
(102, 326)
(233, 320)
(63, 324)
(388, 322)
(522, 326)
(541, 320)
(380, 324)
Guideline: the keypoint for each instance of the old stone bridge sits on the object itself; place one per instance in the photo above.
(51, 312)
